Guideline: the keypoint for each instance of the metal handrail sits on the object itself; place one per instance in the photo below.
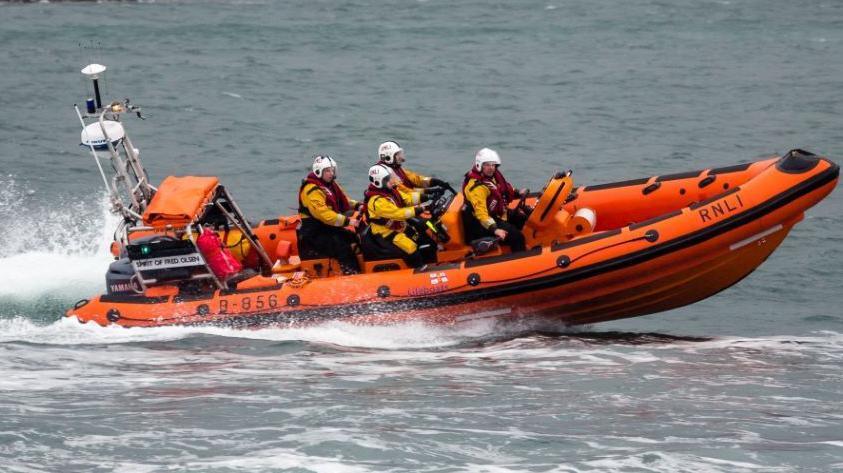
(244, 230)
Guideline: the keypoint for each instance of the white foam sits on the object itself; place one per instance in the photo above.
(394, 342)
(278, 458)
(58, 250)
(778, 342)
(34, 274)
(68, 331)
(670, 462)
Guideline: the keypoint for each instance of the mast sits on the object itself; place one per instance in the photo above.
(128, 187)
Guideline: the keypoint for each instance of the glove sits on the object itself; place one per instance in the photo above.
(422, 206)
(435, 181)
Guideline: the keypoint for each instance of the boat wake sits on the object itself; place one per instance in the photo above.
(48, 254)
(479, 335)
(411, 335)
(70, 332)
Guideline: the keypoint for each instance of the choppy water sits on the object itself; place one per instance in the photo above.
(749, 380)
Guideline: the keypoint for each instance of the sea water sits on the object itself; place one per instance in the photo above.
(746, 381)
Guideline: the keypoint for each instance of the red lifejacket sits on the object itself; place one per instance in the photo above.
(219, 259)
(501, 192)
(399, 171)
(393, 196)
(334, 196)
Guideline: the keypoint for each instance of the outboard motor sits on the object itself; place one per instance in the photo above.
(119, 278)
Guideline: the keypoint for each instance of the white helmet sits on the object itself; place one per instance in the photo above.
(379, 175)
(387, 151)
(320, 163)
(486, 155)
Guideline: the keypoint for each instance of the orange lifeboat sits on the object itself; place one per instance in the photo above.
(595, 253)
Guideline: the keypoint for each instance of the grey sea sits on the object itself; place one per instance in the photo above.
(750, 380)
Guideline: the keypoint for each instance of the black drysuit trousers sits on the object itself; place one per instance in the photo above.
(319, 240)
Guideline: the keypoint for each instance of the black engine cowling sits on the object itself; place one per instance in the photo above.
(118, 279)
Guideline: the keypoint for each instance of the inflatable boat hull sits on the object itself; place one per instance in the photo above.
(660, 243)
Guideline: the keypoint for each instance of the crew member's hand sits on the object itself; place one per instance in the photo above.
(435, 181)
(354, 222)
(500, 233)
(360, 206)
(423, 206)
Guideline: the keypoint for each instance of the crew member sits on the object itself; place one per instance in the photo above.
(391, 155)
(487, 195)
(387, 211)
(323, 206)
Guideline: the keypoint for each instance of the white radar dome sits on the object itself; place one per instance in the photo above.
(92, 134)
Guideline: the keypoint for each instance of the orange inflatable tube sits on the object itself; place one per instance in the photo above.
(657, 243)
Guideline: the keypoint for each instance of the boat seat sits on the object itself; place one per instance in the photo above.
(452, 221)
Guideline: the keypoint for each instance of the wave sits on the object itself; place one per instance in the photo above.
(51, 251)
(410, 335)
(475, 335)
